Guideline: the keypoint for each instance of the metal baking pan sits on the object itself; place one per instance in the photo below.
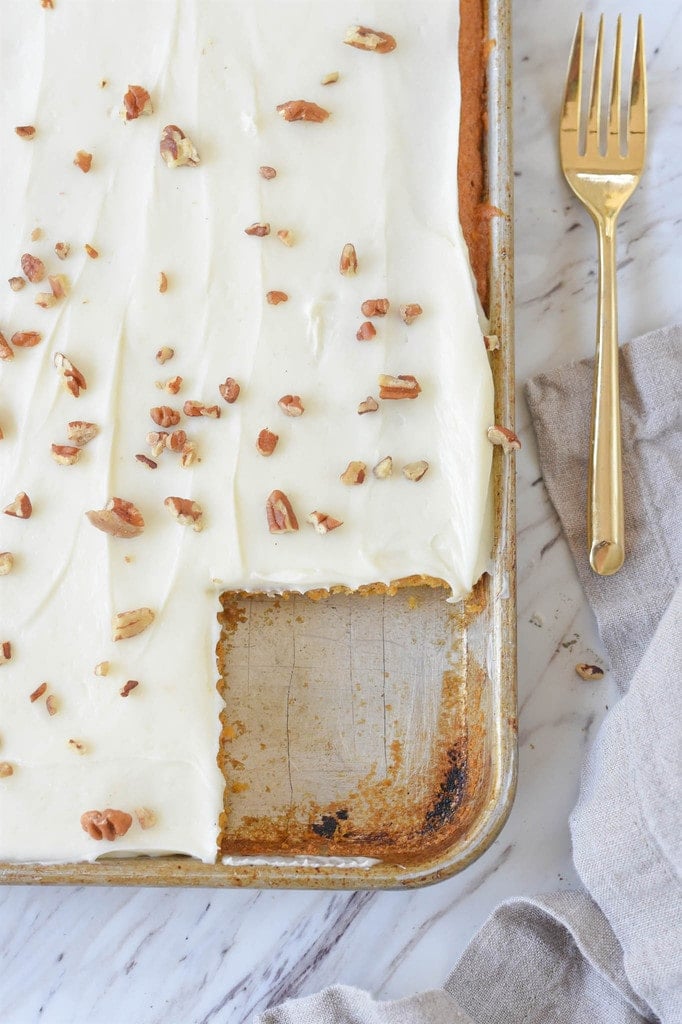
(370, 741)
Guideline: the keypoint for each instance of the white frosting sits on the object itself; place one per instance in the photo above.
(381, 172)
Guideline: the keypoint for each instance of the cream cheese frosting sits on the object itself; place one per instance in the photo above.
(380, 172)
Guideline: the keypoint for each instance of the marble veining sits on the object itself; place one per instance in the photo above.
(95, 956)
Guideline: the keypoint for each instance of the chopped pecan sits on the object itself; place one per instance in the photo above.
(6, 563)
(16, 283)
(369, 405)
(65, 454)
(302, 110)
(267, 172)
(402, 386)
(366, 332)
(383, 468)
(83, 160)
(189, 455)
(177, 149)
(72, 379)
(6, 769)
(62, 250)
(229, 390)
(47, 5)
(59, 283)
(156, 439)
(348, 262)
(38, 693)
(20, 508)
(81, 432)
(5, 350)
(52, 704)
(415, 470)
(354, 473)
(26, 339)
(146, 818)
(286, 236)
(260, 230)
(172, 385)
(127, 624)
(266, 442)
(186, 512)
(136, 102)
(107, 824)
(281, 516)
(323, 523)
(33, 268)
(102, 668)
(164, 416)
(162, 282)
(329, 79)
(491, 342)
(91, 251)
(45, 300)
(176, 440)
(128, 687)
(5, 651)
(369, 39)
(274, 298)
(120, 518)
(410, 312)
(164, 354)
(291, 405)
(146, 461)
(589, 672)
(36, 234)
(193, 408)
(504, 437)
(375, 307)
(78, 746)
(25, 131)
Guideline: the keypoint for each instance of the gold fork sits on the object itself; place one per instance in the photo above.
(604, 174)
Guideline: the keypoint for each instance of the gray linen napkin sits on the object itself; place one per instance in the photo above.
(612, 954)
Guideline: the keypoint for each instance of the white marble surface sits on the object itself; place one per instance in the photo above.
(71, 956)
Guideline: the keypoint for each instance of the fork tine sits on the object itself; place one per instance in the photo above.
(614, 134)
(570, 113)
(594, 117)
(637, 114)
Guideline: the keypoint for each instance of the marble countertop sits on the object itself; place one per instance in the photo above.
(71, 956)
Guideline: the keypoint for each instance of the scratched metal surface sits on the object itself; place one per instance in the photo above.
(369, 741)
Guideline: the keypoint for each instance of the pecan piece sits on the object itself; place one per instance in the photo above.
(302, 110)
(267, 172)
(291, 405)
(186, 512)
(45, 300)
(36, 234)
(260, 230)
(52, 705)
(193, 408)
(274, 298)
(20, 508)
(189, 455)
(162, 282)
(323, 523)
(127, 624)
(136, 102)
(375, 307)
(383, 468)
(25, 131)
(33, 268)
(59, 283)
(172, 385)
(156, 439)
(129, 687)
(266, 442)
(177, 149)
(16, 283)
(589, 672)
(72, 379)
(146, 461)
(26, 339)
(164, 354)
(164, 416)
(83, 161)
(369, 405)
(6, 563)
(329, 79)
(402, 386)
(120, 518)
(366, 332)
(5, 350)
(348, 261)
(65, 454)
(410, 312)
(146, 818)
(81, 432)
(506, 438)
(38, 693)
(91, 251)
(354, 473)
(286, 236)
(102, 668)
(6, 769)
(363, 38)
(415, 470)
(280, 515)
(176, 440)
(5, 651)
(108, 824)
(78, 746)
(229, 390)
(62, 250)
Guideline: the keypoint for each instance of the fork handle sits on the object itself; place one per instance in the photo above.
(605, 520)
